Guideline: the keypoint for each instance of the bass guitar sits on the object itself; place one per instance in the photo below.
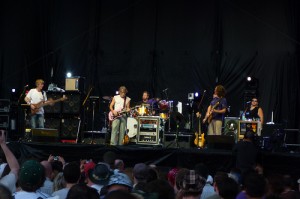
(49, 102)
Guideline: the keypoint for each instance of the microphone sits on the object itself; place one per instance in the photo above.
(165, 89)
(26, 86)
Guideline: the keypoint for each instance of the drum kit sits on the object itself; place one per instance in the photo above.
(163, 109)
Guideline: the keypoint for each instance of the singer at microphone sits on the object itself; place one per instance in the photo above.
(254, 112)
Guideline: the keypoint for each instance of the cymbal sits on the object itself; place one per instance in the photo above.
(106, 97)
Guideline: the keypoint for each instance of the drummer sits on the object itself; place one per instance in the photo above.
(152, 103)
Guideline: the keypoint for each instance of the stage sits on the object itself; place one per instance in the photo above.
(284, 162)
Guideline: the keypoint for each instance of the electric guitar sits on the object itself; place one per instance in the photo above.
(209, 117)
(199, 139)
(121, 112)
(50, 102)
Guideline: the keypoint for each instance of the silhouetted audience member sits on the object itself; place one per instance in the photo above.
(289, 191)
(119, 165)
(117, 181)
(9, 170)
(208, 189)
(275, 185)
(179, 179)
(219, 176)
(160, 187)
(48, 183)
(71, 175)
(59, 182)
(120, 194)
(171, 176)
(228, 188)
(109, 158)
(5, 192)
(245, 153)
(31, 178)
(99, 176)
(140, 175)
(255, 186)
(82, 191)
(191, 186)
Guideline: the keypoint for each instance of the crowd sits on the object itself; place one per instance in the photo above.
(111, 179)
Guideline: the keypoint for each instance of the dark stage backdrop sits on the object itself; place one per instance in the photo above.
(185, 46)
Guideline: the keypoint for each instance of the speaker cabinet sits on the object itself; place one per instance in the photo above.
(52, 123)
(69, 128)
(225, 142)
(56, 108)
(73, 104)
(184, 141)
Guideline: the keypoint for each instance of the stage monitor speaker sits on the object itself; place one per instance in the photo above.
(69, 128)
(231, 126)
(225, 142)
(56, 108)
(184, 140)
(73, 104)
(44, 135)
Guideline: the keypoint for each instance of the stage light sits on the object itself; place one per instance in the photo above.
(196, 94)
(13, 90)
(69, 74)
(117, 92)
(249, 79)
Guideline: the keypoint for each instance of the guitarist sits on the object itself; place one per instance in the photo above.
(35, 96)
(119, 103)
(215, 111)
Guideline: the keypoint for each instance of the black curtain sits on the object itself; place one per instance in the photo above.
(185, 46)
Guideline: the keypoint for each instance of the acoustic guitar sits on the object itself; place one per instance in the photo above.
(49, 102)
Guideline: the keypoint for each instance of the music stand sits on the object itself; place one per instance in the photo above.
(178, 117)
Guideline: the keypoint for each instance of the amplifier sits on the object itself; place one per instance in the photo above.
(74, 84)
(4, 105)
(148, 130)
(45, 135)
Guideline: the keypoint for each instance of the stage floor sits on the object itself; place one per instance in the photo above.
(215, 159)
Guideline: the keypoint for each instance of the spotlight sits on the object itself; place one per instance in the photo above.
(249, 79)
(196, 94)
(13, 90)
(69, 74)
(117, 92)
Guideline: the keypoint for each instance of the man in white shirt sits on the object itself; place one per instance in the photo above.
(119, 104)
(36, 98)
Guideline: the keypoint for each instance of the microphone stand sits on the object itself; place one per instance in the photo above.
(23, 92)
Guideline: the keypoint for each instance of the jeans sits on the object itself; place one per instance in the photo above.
(37, 121)
(118, 129)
